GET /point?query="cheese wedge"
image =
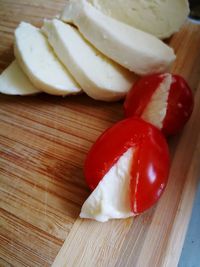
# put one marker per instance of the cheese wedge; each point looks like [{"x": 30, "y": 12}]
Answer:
[
  {"x": 136, "y": 50},
  {"x": 156, "y": 109},
  {"x": 39, "y": 62},
  {"x": 158, "y": 17},
  {"x": 100, "y": 78},
  {"x": 13, "y": 81},
  {"x": 111, "y": 198}
]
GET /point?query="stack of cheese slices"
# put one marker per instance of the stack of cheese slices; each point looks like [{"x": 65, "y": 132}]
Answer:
[{"x": 86, "y": 50}]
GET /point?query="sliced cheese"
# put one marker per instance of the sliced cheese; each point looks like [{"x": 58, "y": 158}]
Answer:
[
  {"x": 99, "y": 77},
  {"x": 111, "y": 198},
  {"x": 136, "y": 50},
  {"x": 39, "y": 62},
  {"x": 13, "y": 81},
  {"x": 156, "y": 110},
  {"x": 158, "y": 17}
]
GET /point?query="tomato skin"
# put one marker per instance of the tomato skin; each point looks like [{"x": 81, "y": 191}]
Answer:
[
  {"x": 153, "y": 169},
  {"x": 152, "y": 156},
  {"x": 179, "y": 105}
]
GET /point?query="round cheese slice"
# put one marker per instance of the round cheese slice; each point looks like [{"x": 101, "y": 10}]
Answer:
[
  {"x": 39, "y": 62},
  {"x": 99, "y": 77},
  {"x": 13, "y": 81},
  {"x": 158, "y": 17}
]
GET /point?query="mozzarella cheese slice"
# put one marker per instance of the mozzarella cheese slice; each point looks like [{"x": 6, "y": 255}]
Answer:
[
  {"x": 111, "y": 198},
  {"x": 136, "y": 50},
  {"x": 39, "y": 62},
  {"x": 13, "y": 81},
  {"x": 156, "y": 110},
  {"x": 100, "y": 78},
  {"x": 158, "y": 17}
]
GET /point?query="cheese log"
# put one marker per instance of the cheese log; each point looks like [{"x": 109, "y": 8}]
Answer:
[
  {"x": 39, "y": 62},
  {"x": 99, "y": 77},
  {"x": 158, "y": 17},
  {"x": 13, "y": 81},
  {"x": 136, "y": 50}
]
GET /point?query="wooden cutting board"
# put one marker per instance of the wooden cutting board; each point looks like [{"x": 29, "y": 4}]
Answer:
[{"x": 43, "y": 144}]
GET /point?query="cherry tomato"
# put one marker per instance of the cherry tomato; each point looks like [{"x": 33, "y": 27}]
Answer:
[
  {"x": 179, "y": 106},
  {"x": 150, "y": 162}
]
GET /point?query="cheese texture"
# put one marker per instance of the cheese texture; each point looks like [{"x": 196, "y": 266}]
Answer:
[
  {"x": 13, "y": 81},
  {"x": 99, "y": 77},
  {"x": 39, "y": 62},
  {"x": 111, "y": 198},
  {"x": 156, "y": 110},
  {"x": 136, "y": 50},
  {"x": 158, "y": 17}
]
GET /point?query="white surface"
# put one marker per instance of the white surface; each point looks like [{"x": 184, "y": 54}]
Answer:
[
  {"x": 41, "y": 65},
  {"x": 111, "y": 198},
  {"x": 158, "y": 17},
  {"x": 99, "y": 77},
  {"x": 13, "y": 81},
  {"x": 135, "y": 50}
]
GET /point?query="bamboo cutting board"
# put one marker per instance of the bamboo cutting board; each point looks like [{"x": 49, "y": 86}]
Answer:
[{"x": 43, "y": 144}]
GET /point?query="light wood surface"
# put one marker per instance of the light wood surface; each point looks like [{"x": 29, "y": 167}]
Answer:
[{"x": 43, "y": 144}]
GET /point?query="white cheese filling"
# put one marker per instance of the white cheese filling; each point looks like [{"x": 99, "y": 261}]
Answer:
[
  {"x": 156, "y": 110},
  {"x": 111, "y": 198}
]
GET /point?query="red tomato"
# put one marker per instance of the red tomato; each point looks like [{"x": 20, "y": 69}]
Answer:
[
  {"x": 150, "y": 164},
  {"x": 179, "y": 103}
]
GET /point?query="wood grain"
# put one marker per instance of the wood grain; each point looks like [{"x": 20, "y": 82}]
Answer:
[{"x": 43, "y": 144}]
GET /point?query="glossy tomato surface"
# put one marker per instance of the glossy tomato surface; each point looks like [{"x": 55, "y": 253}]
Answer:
[
  {"x": 150, "y": 162},
  {"x": 179, "y": 103}
]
